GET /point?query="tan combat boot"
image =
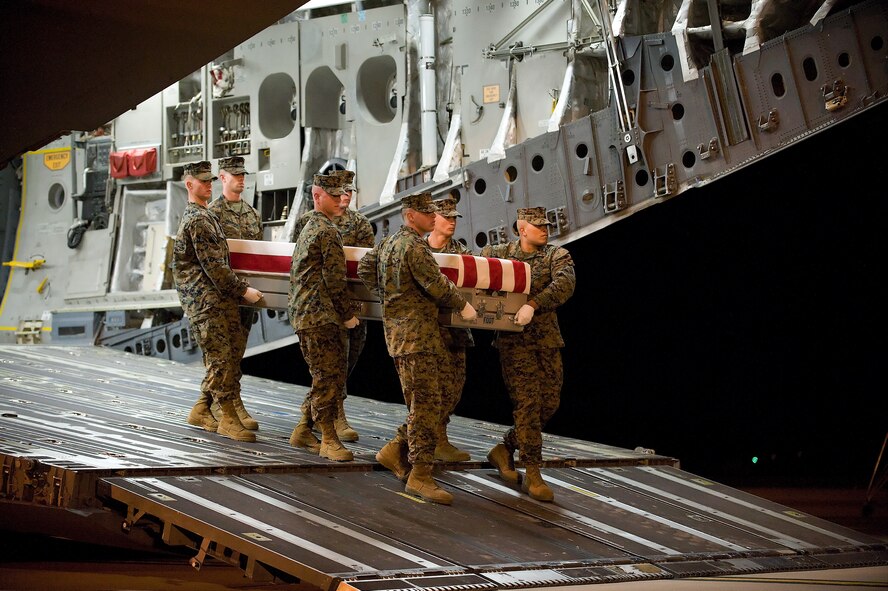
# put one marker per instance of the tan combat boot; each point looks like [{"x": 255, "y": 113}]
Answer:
[
  {"x": 393, "y": 456},
  {"x": 200, "y": 415},
  {"x": 331, "y": 447},
  {"x": 343, "y": 429},
  {"x": 446, "y": 451},
  {"x": 421, "y": 484},
  {"x": 501, "y": 459},
  {"x": 230, "y": 425},
  {"x": 246, "y": 420},
  {"x": 304, "y": 438},
  {"x": 535, "y": 486}
]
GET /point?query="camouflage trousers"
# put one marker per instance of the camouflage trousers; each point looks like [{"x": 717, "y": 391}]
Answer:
[
  {"x": 533, "y": 379},
  {"x": 324, "y": 350},
  {"x": 453, "y": 378},
  {"x": 240, "y": 339},
  {"x": 356, "y": 336},
  {"x": 421, "y": 383},
  {"x": 217, "y": 333}
]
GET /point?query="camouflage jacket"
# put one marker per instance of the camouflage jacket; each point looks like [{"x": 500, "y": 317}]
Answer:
[
  {"x": 237, "y": 221},
  {"x": 355, "y": 229},
  {"x": 455, "y": 337},
  {"x": 403, "y": 273},
  {"x": 317, "y": 276},
  {"x": 552, "y": 283},
  {"x": 201, "y": 268}
]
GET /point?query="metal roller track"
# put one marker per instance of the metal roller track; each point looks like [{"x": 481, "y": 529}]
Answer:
[
  {"x": 362, "y": 529},
  {"x": 103, "y": 433},
  {"x": 101, "y": 410}
]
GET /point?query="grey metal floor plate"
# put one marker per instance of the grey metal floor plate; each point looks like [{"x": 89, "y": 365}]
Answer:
[
  {"x": 780, "y": 524},
  {"x": 364, "y": 529},
  {"x": 472, "y": 532},
  {"x": 101, "y": 409},
  {"x": 97, "y": 429},
  {"x": 647, "y": 528}
]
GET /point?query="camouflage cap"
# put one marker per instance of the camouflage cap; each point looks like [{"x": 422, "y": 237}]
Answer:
[
  {"x": 534, "y": 215},
  {"x": 421, "y": 202},
  {"x": 333, "y": 185},
  {"x": 233, "y": 165},
  {"x": 447, "y": 208},
  {"x": 202, "y": 171},
  {"x": 347, "y": 177}
]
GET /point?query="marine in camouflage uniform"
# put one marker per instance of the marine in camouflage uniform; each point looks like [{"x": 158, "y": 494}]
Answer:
[
  {"x": 238, "y": 220},
  {"x": 355, "y": 230},
  {"x": 453, "y": 371},
  {"x": 531, "y": 360},
  {"x": 209, "y": 293},
  {"x": 403, "y": 273},
  {"x": 321, "y": 311}
]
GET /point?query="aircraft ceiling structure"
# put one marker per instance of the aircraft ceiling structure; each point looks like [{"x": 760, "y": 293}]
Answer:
[{"x": 77, "y": 65}]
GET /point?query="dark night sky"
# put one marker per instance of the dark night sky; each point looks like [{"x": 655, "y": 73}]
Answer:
[{"x": 742, "y": 319}]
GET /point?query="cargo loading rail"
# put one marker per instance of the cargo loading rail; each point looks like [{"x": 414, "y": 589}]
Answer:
[{"x": 94, "y": 443}]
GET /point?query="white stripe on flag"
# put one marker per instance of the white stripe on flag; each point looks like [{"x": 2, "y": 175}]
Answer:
[
  {"x": 508, "y": 277},
  {"x": 355, "y": 253},
  {"x": 483, "y": 272},
  {"x": 261, "y": 247}
]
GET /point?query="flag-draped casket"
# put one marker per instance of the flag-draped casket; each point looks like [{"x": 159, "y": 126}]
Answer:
[{"x": 495, "y": 287}]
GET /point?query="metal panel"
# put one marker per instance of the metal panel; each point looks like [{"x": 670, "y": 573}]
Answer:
[
  {"x": 372, "y": 43},
  {"x": 485, "y": 83},
  {"x": 87, "y": 429},
  {"x": 271, "y": 59},
  {"x": 771, "y": 521},
  {"x": 318, "y": 537},
  {"x": 361, "y": 528},
  {"x": 871, "y": 24},
  {"x": 770, "y": 86},
  {"x": 842, "y": 57},
  {"x": 472, "y": 532},
  {"x": 92, "y": 412}
]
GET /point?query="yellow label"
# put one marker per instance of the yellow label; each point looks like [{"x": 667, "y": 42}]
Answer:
[
  {"x": 56, "y": 160},
  {"x": 491, "y": 94}
]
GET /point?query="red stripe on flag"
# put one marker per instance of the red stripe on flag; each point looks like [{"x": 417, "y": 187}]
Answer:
[
  {"x": 260, "y": 263},
  {"x": 520, "y": 270},
  {"x": 451, "y": 273},
  {"x": 351, "y": 269},
  {"x": 496, "y": 274},
  {"x": 470, "y": 276}
]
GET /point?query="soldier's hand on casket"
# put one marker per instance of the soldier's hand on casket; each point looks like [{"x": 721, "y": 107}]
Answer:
[
  {"x": 468, "y": 312},
  {"x": 524, "y": 315},
  {"x": 252, "y": 295},
  {"x": 352, "y": 322}
]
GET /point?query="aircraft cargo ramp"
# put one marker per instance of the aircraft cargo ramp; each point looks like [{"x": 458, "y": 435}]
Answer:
[{"x": 95, "y": 446}]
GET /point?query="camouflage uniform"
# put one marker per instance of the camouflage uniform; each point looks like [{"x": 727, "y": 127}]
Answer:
[
  {"x": 209, "y": 292},
  {"x": 318, "y": 305},
  {"x": 355, "y": 230},
  {"x": 238, "y": 220},
  {"x": 403, "y": 272},
  {"x": 453, "y": 373},
  {"x": 531, "y": 360}
]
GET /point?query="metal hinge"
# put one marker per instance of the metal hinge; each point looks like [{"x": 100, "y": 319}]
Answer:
[
  {"x": 614, "y": 197},
  {"x": 664, "y": 181},
  {"x": 709, "y": 151},
  {"x": 835, "y": 95},
  {"x": 770, "y": 121}
]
